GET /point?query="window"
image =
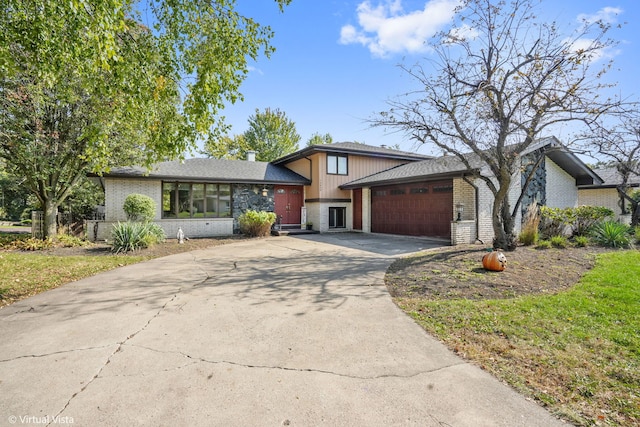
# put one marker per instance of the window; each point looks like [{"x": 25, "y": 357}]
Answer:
[
  {"x": 337, "y": 217},
  {"x": 195, "y": 200},
  {"x": 337, "y": 165}
]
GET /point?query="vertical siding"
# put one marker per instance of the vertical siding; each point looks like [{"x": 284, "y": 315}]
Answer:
[{"x": 358, "y": 167}]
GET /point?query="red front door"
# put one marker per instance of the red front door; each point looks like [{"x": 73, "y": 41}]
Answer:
[{"x": 288, "y": 204}]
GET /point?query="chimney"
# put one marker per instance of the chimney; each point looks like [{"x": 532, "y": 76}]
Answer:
[{"x": 251, "y": 156}]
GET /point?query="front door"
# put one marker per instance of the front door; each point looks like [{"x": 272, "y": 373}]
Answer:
[{"x": 288, "y": 204}]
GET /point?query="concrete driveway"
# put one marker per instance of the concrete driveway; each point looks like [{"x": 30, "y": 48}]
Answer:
[{"x": 280, "y": 331}]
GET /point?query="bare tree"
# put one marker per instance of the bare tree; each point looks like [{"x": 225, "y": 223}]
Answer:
[
  {"x": 499, "y": 80},
  {"x": 618, "y": 139}
]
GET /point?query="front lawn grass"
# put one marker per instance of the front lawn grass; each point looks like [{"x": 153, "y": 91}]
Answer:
[
  {"x": 24, "y": 275},
  {"x": 577, "y": 352}
]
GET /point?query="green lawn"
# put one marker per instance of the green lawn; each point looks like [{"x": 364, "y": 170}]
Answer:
[
  {"x": 23, "y": 275},
  {"x": 577, "y": 352}
]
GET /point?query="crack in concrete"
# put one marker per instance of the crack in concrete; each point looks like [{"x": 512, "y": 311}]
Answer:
[
  {"x": 35, "y": 356},
  {"x": 117, "y": 350},
  {"x": 285, "y": 368}
]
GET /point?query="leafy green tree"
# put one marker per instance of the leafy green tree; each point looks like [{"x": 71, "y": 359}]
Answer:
[
  {"x": 498, "y": 80},
  {"x": 230, "y": 148},
  {"x": 83, "y": 85},
  {"x": 271, "y": 135},
  {"x": 317, "y": 139}
]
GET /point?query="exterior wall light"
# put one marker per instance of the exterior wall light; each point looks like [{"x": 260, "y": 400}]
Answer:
[{"x": 460, "y": 210}]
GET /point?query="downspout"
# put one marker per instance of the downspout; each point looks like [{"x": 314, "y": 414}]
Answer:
[{"x": 477, "y": 200}]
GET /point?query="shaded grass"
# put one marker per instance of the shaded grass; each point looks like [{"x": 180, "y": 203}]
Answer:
[
  {"x": 22, "y": 276},
  {"x": 577, "y": 352}
]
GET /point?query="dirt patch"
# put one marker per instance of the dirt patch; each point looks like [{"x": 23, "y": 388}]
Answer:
[
  {"x": 169, "y": 247},
  {"x": 457, "y": 272}
]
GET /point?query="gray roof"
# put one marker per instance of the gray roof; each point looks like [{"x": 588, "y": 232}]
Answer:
[
  {"x": 612, "y": 178},
  {"x": 451, "y": 166},
  {"x": 216, "y": 170},
  {"x": 352, "y": 148},
  {"x": 446, "y": 166}
]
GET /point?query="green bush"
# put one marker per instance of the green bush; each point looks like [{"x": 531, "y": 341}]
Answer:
[
  {"x": 139, "y": 207},
  {"x": 612, "y": 234},
  {"x": 559, "y": 221},
  {"x": 553, "y": 221},
  {"x": 71, "y": 241},
  {"x": 559, "y": 242},
  {"x": 256, "y": 224},
  {"x": 131, "y": 236},
  {"x": 585, "y": 217},
  {"x": 543, "y": 244},
  {"x": 581, "y": 241}
]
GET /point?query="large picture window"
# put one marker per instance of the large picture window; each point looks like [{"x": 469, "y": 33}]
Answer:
[
  {"x": 195, "y": 200},
  {"x": 337, "y": 165}
]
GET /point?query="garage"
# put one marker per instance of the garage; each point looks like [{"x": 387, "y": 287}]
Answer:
[{"x": 413, "y": 209}]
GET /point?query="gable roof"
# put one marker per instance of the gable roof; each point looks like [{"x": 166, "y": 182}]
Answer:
[
  {"x": 214, "y": 170},
  {"x": 451, "y": 166},
  {"x": 442, "y": 167},
  {"x": 353, "y": 148},
  {"x": 567, "y": 160}
]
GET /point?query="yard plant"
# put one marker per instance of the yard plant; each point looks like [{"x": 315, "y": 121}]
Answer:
[
  {"x": 576, "y": 351},
  {"x": 130, "y": 236},
  {"x": 256, "y": 223}
]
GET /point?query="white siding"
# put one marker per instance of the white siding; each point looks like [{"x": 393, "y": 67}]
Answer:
[{"x": 562, "y": 191}]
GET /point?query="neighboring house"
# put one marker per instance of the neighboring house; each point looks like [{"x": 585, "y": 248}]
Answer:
[
  {"x": 338, "y": 187},
  {"x": 606, "y": 194}
]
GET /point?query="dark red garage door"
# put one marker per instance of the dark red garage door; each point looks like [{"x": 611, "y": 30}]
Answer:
[{"x": 419, "y": 209}]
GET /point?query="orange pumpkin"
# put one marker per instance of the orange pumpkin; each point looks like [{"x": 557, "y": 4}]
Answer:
[{"x": 494, "y": 261}]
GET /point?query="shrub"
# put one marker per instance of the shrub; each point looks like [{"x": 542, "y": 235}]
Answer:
[
  {"x": 71, "y": 241},
  {"x": 612, "y": 234},
  {"x": 256, "y": 224},
  {"x": 554, "y": 221},
  {"x": 529, "y": 234},
  {"x": 559, "y": 242},
  {"x": 130, "y": 236},
  {"x": 33, "y": 244},
  {"x": 139, "y": 207},
  {"x": 543, "y": 244},
  {"x": 581, "y": 241},
  {"x": 586, "y": 217},
  {"x": 577, "y": 221}
]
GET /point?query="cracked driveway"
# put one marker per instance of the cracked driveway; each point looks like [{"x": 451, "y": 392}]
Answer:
[{"x": 277, "y": 331}]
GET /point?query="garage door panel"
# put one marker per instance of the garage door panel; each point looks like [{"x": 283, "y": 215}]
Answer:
[{"x": 422, "y": 209}]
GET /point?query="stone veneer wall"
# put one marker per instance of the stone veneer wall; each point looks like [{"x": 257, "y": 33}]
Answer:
[{"x": 249, "y": 197}]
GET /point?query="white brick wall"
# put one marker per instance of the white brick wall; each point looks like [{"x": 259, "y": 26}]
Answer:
[
  {"x": 562, "y": 191},
  {"x": 208, "y": 227},
  {"x": 607, "y": 197},
  {"x": 117, "y": 190}
]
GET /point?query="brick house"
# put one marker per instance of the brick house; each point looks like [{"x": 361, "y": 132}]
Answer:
[
  {"x": 606, "y": 194},
  {"x": 337, "y": 187}
]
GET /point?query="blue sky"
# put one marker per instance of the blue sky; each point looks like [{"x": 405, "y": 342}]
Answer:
[{"x": 337, "y": 61}]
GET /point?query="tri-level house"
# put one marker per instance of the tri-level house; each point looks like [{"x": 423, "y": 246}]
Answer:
[{"x": 336, "y": 187}]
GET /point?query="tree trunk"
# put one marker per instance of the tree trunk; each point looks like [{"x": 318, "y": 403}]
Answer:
[
  {"x": 50, "y": 228},
  {"x": 503, "y": 223}
]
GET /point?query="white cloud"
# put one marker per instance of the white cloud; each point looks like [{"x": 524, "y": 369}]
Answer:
[
  {"x": 608, "y": 15},
  {"x": 386, "y": 28}
]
